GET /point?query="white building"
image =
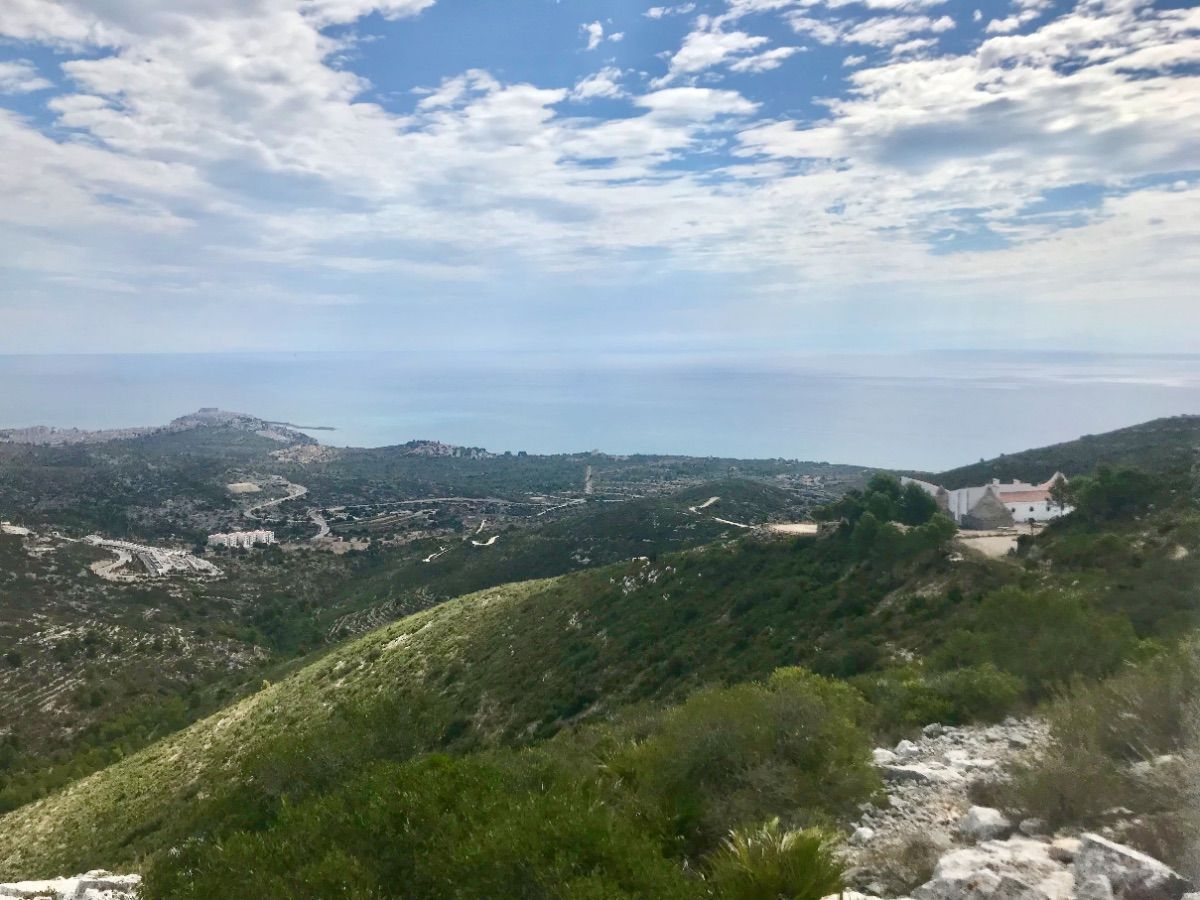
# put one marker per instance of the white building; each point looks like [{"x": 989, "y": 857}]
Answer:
[
  {"x": 999, "y": 503},
  {"x": 241, "y": 540}
]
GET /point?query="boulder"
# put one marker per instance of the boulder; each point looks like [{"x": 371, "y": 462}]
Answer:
[
  {"x": 1132, "y": 874},
  {"x": 862, "y": 835},
  {"x": 883, "y": 757},
  {"x": 1158, "y": 767},
  {"x": 1097, "y": 887},
  {"x": 906, "y": 748},
  {"x": 962, "y": 759},
  {"x": 1016, "y": 869},
  {"x": 921, "y": 774},
  {"x": 95, "y": 885},
  {"x": 982, "y": 823},
  {"x": 1032, "y": 827}
]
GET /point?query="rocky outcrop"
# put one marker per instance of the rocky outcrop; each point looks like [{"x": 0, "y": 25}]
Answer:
[
  {"x": 999, "y": 870},
  {"x": 982, "y": 823},
  {"x": 95, "y": 885},
  {"x": 982, "y": 856},
  {"x": 1031, "y": 870},
  {"x": 206, "y": 417},
  {"x": 1127, "y": 873},
  {"x": 927, "y": 781}
]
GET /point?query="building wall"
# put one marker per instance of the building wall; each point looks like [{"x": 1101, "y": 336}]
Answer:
[{"x": 1037, "y": 510}]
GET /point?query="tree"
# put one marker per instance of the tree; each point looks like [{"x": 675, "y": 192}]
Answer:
[{"x": 915, "y": 506}]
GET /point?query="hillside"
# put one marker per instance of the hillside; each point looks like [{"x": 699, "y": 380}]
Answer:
[
  {"x": 516, "y": 664},
  {"x": 1162, "y": 445},
  {"x": 509, "y": 664},
  {"x": 96, "y": 668},
  {"x": 912, "y": 627}
]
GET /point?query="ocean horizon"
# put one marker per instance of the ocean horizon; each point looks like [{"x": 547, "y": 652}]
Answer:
[{"x": 915, "y": 411}]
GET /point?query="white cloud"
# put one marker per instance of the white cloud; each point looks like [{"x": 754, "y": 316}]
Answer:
[
  {"x": 219, "y": 146},
  {"x": 661, "y": 12},
  {"x": 704, "y": 48},
  {"x": 51, "y": 22},
  {"x": 595, "y": 34},
  {"x": 696, "y": 103},
  {"x": 605, "y": 83},
  {"x": 453, "y": 90},
  {"x": 877, "y": 31},
  {"x": 20, "y": 76},
  {"x": 1011, "y": 23},
  {"x": 765, "y": 61},
  {"x": 912, "y": 46}
]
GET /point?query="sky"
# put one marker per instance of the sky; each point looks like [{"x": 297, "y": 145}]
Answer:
[{"x": 730, "y": 178}]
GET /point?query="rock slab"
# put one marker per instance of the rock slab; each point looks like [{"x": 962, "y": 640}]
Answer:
[
  {"x": 1131, "y": 874},
  {"x": 95, "y": 885}
]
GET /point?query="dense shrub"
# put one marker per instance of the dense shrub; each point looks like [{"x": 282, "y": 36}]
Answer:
[
  {"x": 1099, "y": 730},
  {"x": 1111, "y": 493},
  {"x": 598, "y": 813},
  {"x": 885, "y": 500},
  {"x": 501, "y": 825},
  {"x": 1045, "y": 638},
  {"x": 909, "y": 697},
  {"x": 792, "y": 747}
]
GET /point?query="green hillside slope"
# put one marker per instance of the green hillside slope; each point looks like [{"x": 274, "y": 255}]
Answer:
[
  {"x": 502, "y": 666},
  {"x": 924, "y": 633},
  {"x": 1163, "y": 445}
]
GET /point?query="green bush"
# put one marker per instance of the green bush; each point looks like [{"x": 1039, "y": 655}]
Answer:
[
  {"x": 773, "y": 863},
  {"x": 1049, "y": 637},
  {"x": 1112, "y": 493},
  {"x": 908, "y": 697},
  {"x": 729, "y": 757},
  {"x": 1099, "y": 729},
  {"x": 977, "y": 693},
  {"x": 502, "y": 825}
]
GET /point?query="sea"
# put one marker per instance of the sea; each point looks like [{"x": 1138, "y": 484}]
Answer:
[{"x": 927, "y": 411}]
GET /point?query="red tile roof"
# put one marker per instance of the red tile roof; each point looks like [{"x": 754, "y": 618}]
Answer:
[{"x": 1037, "y": 496}]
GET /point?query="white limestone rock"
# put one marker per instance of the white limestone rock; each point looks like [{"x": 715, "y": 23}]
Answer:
[
  {"x": 962, "y": 759},
  {"x": 921, "y": 773},
  {"x": 1159, "y": 767},
  {"x": 982, "y": 823},
  {"x": 1032, "y": 827},
  {"x": 1132, "y": 874},
  {"x": 906, "y": 749},
  {"x": 1016, "y": 869},
  {"x": 883, "y": 756},
  {"x": 1098, "y": 887},
  {"x": 94, "y": 885}
]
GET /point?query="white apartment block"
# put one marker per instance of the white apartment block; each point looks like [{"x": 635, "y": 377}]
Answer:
[{"x": 241, "y": 540}]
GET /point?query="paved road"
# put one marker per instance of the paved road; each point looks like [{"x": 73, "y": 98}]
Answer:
[
  {"x": 294, "y": 491},
  {"x": 319, "y": 521}
]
